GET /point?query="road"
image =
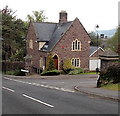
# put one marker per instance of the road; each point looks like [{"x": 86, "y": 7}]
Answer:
[{"x": 20, "y": 97}]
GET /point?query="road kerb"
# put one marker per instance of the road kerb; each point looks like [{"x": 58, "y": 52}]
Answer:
[{"x": 95, "y": 94}]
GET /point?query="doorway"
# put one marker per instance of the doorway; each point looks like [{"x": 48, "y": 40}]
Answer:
[{"x": 56, "y": 61}]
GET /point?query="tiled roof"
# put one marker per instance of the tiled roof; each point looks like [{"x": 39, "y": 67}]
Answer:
[
  {"x": 59, "y": 32},
  {"x": 94, "y": 49},
  {"x": 109, "y": 53},
  {"x": 50, "y": 32},
  {"x": 44, "y": 31}
]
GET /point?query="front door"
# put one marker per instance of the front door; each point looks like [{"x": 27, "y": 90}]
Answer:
[{"x": 56, "y": 61}]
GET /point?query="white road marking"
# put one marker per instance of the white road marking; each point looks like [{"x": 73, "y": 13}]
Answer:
[
  {"x": 42, "y": 85},
  {"x": 38, "y": 101},
  {"x": 8, "y": 89}
]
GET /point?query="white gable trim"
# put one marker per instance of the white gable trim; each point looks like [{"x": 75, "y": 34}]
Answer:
[{"x": 96, "y": 51}]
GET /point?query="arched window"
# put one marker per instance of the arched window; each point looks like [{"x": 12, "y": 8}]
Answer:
[
  {"x": 76, "y": 45},
  {"x": 75, "y": 62}
]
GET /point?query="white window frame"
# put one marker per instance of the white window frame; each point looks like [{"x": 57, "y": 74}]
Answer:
[
  {"x": 76, "y": 45},
  {"x": 75, "y": 62},
  {"x": 31, "y": 43}
]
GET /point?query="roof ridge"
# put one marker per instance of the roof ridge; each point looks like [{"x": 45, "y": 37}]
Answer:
[{"x": 46, "y": 22}]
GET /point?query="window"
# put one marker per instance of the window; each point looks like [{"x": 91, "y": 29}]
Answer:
[
  {"x": 41, "y": 44},
  {"x": 41, "y": 62},
  {"x": 75, "y": 62},
  {"x": 31, "y": 44},
  {"x": 76, "y": 45}
]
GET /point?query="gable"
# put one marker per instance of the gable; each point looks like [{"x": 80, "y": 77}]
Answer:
[
  {"x": 94, "y": 50},
  {"x": 59, "y": 32}
]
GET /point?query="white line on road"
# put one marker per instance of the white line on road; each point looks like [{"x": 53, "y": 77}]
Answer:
[
  {"x": 38, "y": 101},
  {"x": 8, "y": 89},
  {"x": 42, "y": 85}
]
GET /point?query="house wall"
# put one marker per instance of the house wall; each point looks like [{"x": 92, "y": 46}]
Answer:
[
  {"x": 64, "y": 47},
  {"x": 35, "y": 53}
]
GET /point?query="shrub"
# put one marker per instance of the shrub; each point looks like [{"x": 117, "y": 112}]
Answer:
[
  {"x": 112, "y": 75},
  {"x": 50, "y": 73},
  {"x": 76, "y": 71},
  {"x": 50, "y": 63},
  {"x": 15, "y": 72},
  {"x": 67, "y": 66}
]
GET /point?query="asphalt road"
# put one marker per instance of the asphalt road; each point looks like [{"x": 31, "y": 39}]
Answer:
[{"x": 19, "y": 97}]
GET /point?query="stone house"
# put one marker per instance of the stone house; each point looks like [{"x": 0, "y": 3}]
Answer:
[{"x": 65, "y": 39}]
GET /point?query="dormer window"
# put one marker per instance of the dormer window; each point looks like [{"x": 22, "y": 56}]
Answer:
[
  {"x": 41, "y": 44},
  {"x": 76, "y": 45}
]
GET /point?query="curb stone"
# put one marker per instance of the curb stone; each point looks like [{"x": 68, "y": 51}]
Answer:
[{"x": 96, "y": 95}]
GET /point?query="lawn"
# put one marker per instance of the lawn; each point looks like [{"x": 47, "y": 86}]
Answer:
[{"x": 112, "y": 87}]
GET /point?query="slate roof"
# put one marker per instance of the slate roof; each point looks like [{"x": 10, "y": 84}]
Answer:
[
  {"x": 109, "y": 53},
  {"x": 44, "y": 31},
  {"x": 50, "y": 33},
  {"x": 93, "y": 49},
  {"x": 59, "y": 32}
]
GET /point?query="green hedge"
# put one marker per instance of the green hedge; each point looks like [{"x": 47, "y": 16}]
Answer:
[
  {"x": 11, "y": 66},
  {"x": 50, "y": 73},
  {"x": 112, "y": 75},
  {"x": 15, "y": 72}
]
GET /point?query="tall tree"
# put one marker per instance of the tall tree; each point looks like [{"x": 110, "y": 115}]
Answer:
[
  {"x": 13, "y": 32},
  {"x": 94, "y": 40},
  {"x": 37, "y": 16},
  {"x": 113, "y": 42}
]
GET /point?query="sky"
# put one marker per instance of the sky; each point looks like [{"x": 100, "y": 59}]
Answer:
[{"x": 90, "y": 12}]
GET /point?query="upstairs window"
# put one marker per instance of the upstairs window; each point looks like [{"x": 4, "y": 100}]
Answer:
[
  {"x": 41, "y": 62},
  {"x": 76, "y": 45},
  {"x": 31, "y": 44}
]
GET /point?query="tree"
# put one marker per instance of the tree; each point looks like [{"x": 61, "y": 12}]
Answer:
[
  {"x": 67, "y": 65},
  {"x": 13, "y": 32},
  {"x": 113, "y": 42},
  {"x": 50, "y": 63},
  {"x": 94, "y": 40},
  {"x": 37, "y": 16}
]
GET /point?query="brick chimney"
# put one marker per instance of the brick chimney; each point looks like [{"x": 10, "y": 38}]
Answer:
[{"x": 62, "y": 17}]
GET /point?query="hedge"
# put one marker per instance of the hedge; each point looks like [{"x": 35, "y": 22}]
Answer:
[
  {"x": 9, "y": 66},
  {"x": 50, "y": 73}
]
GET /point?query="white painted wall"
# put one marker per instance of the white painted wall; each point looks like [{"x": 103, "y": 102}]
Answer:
[{"x": 93, "y": 64}]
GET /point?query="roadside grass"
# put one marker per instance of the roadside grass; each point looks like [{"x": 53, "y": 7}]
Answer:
[
  {"x": 89, "y": 73},
  {"x": 112, "y": 86}
]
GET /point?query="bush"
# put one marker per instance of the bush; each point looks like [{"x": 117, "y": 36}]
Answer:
[
  {"x": 15, "y": 72},
  {"x": 112, "y": 75},
  {"x": 76, "y": 71},
  {"x": 50, "y": 73},
  {"x": 50, "y": 63},
  {"x": 67, "y": 66}
]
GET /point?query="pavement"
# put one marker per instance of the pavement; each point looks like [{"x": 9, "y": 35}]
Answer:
[{"x": 82, "y": 83}]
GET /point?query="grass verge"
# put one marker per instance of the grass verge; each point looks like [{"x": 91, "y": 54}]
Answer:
[{"x": 112, "y": 87}]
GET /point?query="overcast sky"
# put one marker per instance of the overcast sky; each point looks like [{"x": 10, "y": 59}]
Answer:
[{"x": 90, "y": 12}]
